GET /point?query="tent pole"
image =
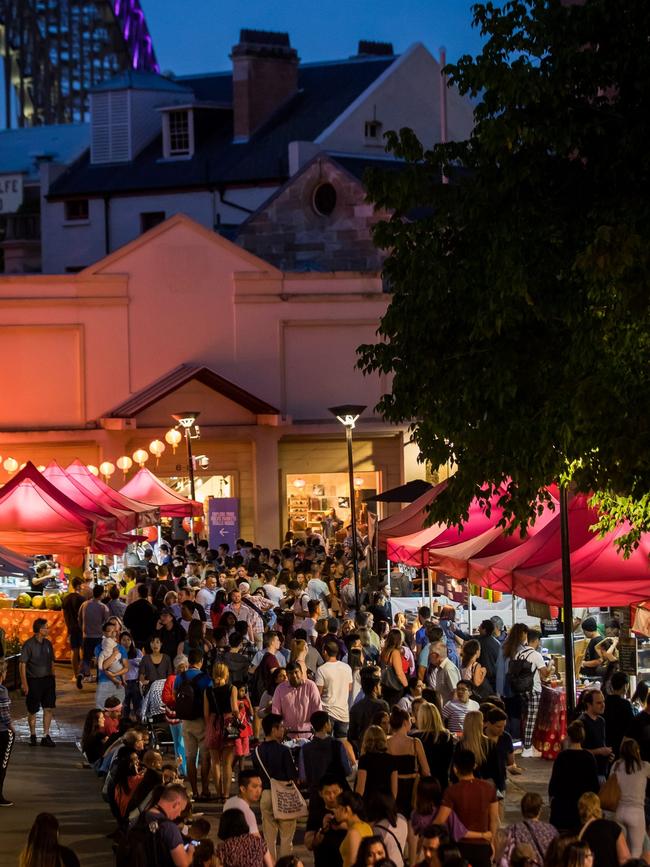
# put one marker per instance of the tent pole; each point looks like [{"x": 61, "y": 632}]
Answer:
[
  {"x": 469, "y": 607},
  {"x": 430, "y": 590},
  {"x": 567, "y": 604},
  {"x": 514, "y": 608}
]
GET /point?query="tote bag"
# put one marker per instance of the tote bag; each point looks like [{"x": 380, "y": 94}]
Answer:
[
  {"x": 610, "y": 793},
  {"x": 286, "y": 800}
]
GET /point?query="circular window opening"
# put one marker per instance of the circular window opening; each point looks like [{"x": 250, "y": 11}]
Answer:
[{"x": 324, "y": 200}]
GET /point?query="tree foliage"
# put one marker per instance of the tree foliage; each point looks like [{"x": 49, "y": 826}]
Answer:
[{"x": 518, "y": 331}]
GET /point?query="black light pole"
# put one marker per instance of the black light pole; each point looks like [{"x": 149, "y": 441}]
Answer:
[
  {"x": 187, "y": 420},
  {"x": 348, "y": 415},
  {"x": 567, "y": 600}
]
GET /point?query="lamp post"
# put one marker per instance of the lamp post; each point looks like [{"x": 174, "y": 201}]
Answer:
[
  {"x": 348, "y": 415},
  {"x": 187, "y": 420}
]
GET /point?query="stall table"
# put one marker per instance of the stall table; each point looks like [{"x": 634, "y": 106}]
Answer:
[
  {"x": 550, "y": 729},
  {"x": 18, "y": 623}
]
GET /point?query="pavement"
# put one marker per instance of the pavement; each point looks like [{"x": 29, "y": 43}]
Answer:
[{"x": 54, "y": 780}]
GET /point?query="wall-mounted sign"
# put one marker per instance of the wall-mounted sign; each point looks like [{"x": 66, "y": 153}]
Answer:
[
  {"x": 223, "y": 521},
  {"x": 11, "y": 193}
]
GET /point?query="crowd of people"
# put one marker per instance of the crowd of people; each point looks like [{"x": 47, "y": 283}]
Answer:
[{"x": 249, "y": 678}]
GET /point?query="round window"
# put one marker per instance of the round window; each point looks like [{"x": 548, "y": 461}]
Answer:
[{"x": 324, "y": 200}]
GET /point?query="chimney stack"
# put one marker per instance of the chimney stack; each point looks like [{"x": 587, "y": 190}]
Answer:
[{"x": 265, "y": 76}]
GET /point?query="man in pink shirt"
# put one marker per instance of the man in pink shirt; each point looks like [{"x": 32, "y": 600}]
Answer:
[{"x": 296, "y": 700}]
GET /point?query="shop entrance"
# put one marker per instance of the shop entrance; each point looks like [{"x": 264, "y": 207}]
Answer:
[{"x": 321, "y": 502}]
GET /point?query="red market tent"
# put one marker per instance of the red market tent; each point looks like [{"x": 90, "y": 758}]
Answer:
[
  {"x": 147, "y": 488},
  {"x": 411, "y": 519},
  {"x": 496, "y": 571},
  {"x": 82, "y": 497},
  {"x": 37, "y": 518},
  {"x": 140, "y": 514}
]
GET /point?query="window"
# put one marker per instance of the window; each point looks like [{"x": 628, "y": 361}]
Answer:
[
  {"x": 373, "y": 130},
  {"x": 149, "y": 219},
  {"x": 179, "y": 133},
  {"x": 76, "y": 209},
  {"x": 324, "y": 199}
]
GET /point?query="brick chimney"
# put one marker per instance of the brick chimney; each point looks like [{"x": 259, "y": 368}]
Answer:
[{"x": 265, "y": 76}]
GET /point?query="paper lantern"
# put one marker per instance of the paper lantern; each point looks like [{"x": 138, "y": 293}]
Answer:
[
  {"x": 10, "y": 465},
  {"x": 141, "y": 456},
  {"x": 93, "y": 469},
  {"x": 152, "y": 534},
  {"x": 173, "y": 437},
  {"x": 106, "y": 468},
  {"x": 299, "y": 483},
  {"x": 157, "y": 447},
  {"x": 124, "y": 463},
  {"x": 358, "y": 482}
]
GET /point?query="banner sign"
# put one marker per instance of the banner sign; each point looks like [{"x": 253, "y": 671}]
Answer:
[{"x": 223, "y": 521}]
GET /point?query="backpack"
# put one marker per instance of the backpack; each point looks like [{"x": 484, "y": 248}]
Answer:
[
  {"x": 142, "y": 846},
  {"x": 258, "y": 683},
  {"x": 521, "y": 675},
  {"x": 188, "y": 699}
]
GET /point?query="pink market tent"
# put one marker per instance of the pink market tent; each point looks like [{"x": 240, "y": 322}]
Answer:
[
  {"x": 147, "y": 488},
  {"x": 413, "y": 550},
  {"x": 410, "y": 519},
  {"x": 79, "y": 495},
  {"x": 496, "y": 571},
  {"x": 36, "y": 518},
  {"x": 139, "y": 514},
  {"x": 599, "y": 574},
  {"x": 494, "y": 543}
]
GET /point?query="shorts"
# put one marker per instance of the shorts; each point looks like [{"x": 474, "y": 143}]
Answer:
[
  {"x": 194, "y": 737},
  {"x": 339, "y": 728},
  {"x": 75, "y": 637},
  {"x": 42, "y": 693}
]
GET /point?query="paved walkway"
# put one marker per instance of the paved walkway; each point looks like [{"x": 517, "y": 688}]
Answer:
[{"x": 53, "y": 780}]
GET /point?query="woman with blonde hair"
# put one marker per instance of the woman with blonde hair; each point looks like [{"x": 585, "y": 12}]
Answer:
[
  {"x": 605, "y": 838},
  {"x": 377, "y": 770},
  {"x": 221, "y": 710},
  {"x": 475, "y": 740},
  {"x": 438, "y": 743},
  {"x": 632, "y": 774}
]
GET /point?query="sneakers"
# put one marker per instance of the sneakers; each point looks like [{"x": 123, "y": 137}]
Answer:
[
  {"x": 531, "y": 753},
  {"x": 32, "y": 741},
  {"x": 47, "y": 741},
  {"x": 5, "y": 803},
  {"x": 80, "y": 679}
]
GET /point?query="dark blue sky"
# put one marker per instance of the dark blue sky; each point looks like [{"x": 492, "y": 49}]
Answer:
[{"x": 197, "y": 35}]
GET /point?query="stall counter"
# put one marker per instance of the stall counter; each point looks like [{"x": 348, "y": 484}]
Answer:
[{"x": 18, "y": 623}]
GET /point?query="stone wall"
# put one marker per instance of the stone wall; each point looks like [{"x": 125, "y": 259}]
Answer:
[{"x": 289, "y": 233}]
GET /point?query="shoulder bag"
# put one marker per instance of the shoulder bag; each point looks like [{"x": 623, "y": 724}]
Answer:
[
  {"x": 286, "y": 800},
  {"x": 610, "y": 792}
]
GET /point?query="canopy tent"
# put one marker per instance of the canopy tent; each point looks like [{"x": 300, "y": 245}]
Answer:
[
  {"x": 37, "y": 518},
  {"x": 494, "y": 543},
  {"x": 82, "y": 497},
  {"x": 496, "y": 571},
  {"x": 410, "y": 519},
  {"x": 413, "y": 550},
  {"x": 147, "y": 488},
  {"x": 12, "y": 563},
  {"x": 402, "y": 493},
  {"x": 140, "y": 514}
]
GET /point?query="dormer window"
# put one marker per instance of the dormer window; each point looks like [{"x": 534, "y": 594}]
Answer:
[
  {"x": 178, "y": 133},
  {"x": 373, "y": 130}
]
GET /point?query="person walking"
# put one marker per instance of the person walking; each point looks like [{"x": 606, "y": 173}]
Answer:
[
  {"x": 37, "y": 680},
  {"x": 632, "y": 774},
  {"x": 70, "y": 606},
  {"x": 596, "y": 731},
  {"x": 334, "y": 682},
  {"x": 92, "y": 615},
  {"x": 220, "y": 709},
  {"x": 296, "y": 700},
  {"x": 7, "y": 734},
  {"x": 272, "y": 760},
  {"x": 574, "y": 773},
  {"x": 189, "y": 692},
  {"x": 604, "y": 837},
  {"x": 249, "y": 787},
  {"x": 532, "y": 697},
  {"x": 409, "y": 758}
]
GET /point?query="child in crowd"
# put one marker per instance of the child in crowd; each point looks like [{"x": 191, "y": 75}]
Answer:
[{"x": 112, "y": 715}]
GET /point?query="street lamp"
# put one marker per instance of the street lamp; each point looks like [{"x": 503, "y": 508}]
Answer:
[
  {"x": 187, "y": 421},
  {"x": 348, "y": 415}
]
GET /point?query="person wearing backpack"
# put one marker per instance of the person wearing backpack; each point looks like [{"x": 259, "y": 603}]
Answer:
[
  {"x": 155, "y": 838},
  {"x": 525, "y": 673},
  {"x": 189, "y": 692}
]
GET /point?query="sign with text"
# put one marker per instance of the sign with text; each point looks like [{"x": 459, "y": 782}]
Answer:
[
  {"x": 11, "y": 193},
  {"x": 223, "y": 521}
]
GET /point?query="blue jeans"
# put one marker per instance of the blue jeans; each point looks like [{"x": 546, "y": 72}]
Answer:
[
  {"x": 132, "y": 699},
  {"x": 179, "y": 747}
]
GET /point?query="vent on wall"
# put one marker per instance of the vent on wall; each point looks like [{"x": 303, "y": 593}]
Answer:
[{"x": 110, "y": 127}]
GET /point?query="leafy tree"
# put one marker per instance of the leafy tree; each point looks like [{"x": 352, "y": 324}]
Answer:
[{"x": 518, "y": 331}]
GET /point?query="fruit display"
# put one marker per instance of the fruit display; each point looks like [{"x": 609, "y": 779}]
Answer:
[
  {"x": 52, "y": 602},
  {"x": 23, "y": 601},
  {"x": 38, "y": 602}
]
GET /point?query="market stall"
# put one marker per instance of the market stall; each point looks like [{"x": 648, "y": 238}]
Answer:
[
  {"x": 145, "y": 487},
  {"x": 17, "y": 624}
]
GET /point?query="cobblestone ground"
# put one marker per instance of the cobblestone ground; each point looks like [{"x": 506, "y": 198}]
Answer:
[{"x": 54, "y": 780}]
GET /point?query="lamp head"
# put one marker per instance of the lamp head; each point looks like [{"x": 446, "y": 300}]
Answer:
[
  {"x": 347, "y": 414},
  {"x": 186, "y": 419}
]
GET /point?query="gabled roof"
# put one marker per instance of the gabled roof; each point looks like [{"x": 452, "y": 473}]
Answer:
[
  {"x": 21, "y": 149},
  {"x": 179, "y": 377},
  {"x": 325, "y": 90}
]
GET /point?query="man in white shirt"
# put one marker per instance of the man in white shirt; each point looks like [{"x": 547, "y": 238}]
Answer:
[
  {"x": 206, "y": 595},
  {"x": 334, "y": 682},
  {"x": 250, "y": 792},
  {"x": 455, "y": 711},
  {"x": 317, "y": 589},
  {"x": 531, "y": 699},
  {"x": 309, "y": 623}
]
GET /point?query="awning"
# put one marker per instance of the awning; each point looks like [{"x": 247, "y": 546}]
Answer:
[{"x": 147, "y": 488}]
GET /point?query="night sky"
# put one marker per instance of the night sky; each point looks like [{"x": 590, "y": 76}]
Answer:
[{"x": 197, "y": 35}]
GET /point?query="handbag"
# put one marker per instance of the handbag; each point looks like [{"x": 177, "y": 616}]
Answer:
[
  {"x": 610, "y": 793},
  {"x": 286, "y": 800},
  {"x": 389, "y": 679}
]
